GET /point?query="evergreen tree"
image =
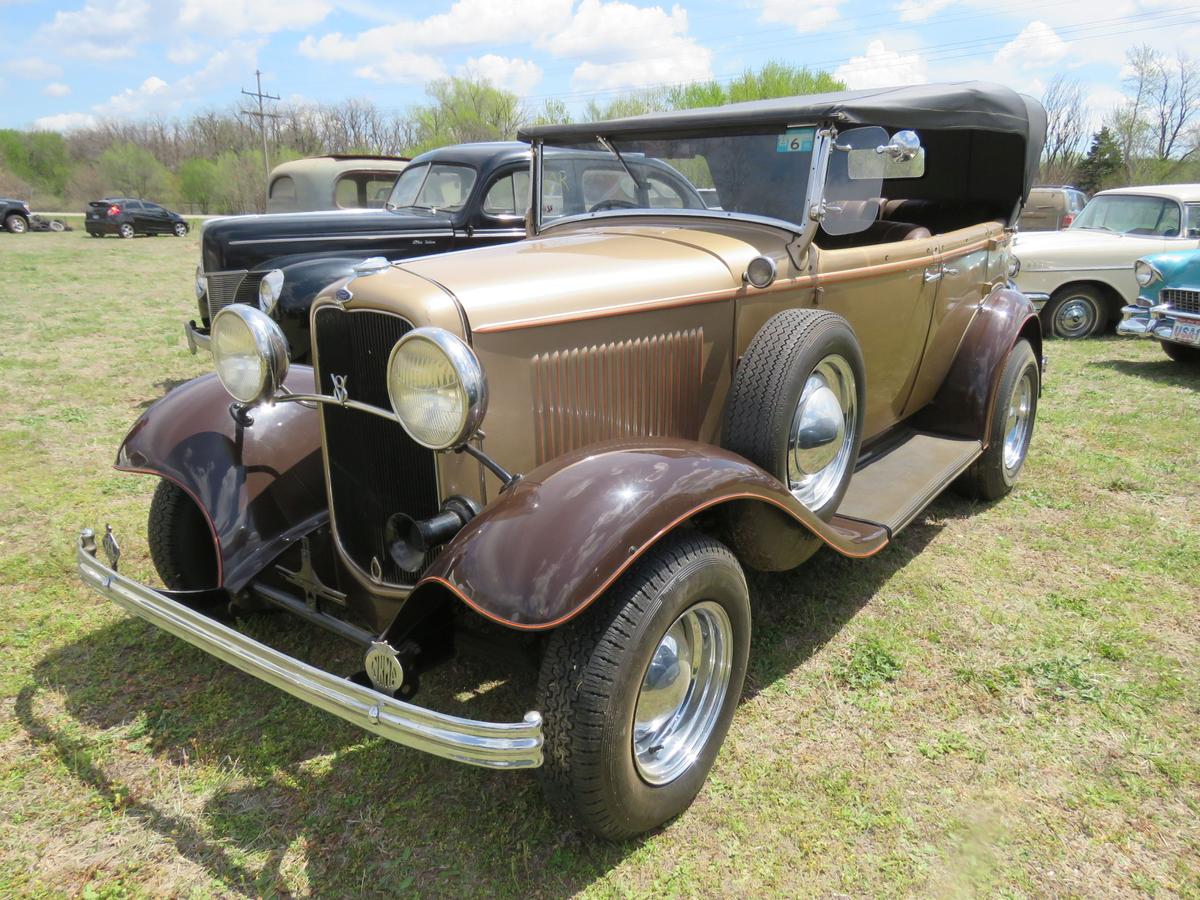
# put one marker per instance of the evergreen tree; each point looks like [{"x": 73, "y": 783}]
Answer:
[{"x": 1102, "y": 163}]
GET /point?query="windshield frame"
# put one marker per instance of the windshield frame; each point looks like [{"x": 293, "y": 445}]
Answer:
[
  {"x": 1133, "y": 196},
  {"x": 428, "y": 166},
  {"x": 804, "y": 227}
]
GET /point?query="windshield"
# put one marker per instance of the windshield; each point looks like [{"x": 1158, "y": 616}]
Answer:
[
  {"x": 436, "y": 186},
  {"x": 1130, "y": 214},
  {"x": 760, "y": 173}
]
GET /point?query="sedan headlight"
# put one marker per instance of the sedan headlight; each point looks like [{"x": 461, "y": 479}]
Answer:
[
  {"x": 437, "y": 388},
  {"x": 269, "y": 290},
  {"x": 201, "y": 283},
  {"x": 250, "y": 353},
  {"x": 1145, "y": 273},
  {"x": 1014, "y": 266}
]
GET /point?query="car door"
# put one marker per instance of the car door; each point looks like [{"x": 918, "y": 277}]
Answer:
[
  {"x": 500, "y": 216},
  {"x": 136, "y": 213},
  {"x": 156, "y": 218}
]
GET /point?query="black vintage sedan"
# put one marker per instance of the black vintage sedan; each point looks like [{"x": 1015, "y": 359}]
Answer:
[
  {"x": 127, "y": 216},
  {"x": 453, "y": 198}
]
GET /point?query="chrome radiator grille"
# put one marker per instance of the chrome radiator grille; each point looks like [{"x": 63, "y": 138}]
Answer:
[
  {"x": 236, "y": 286},
  {"x": 375, "y": 469},
  {"x": 1183, "y": 300},
  {"x": 644, "y": 387}
]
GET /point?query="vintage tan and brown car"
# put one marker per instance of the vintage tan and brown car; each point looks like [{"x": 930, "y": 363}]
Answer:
[{"x": 587, "y": 434}]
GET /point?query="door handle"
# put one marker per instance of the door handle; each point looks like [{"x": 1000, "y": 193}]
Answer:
[
  {"x": 933, "y": 275},
  {"x": 950, "y": 272}
]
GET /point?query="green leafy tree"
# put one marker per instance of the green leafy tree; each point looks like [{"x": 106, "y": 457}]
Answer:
[
  {"x": 135, "y": 171},
  {"x": 1103, "y": 164},
  {"x": 39, "y": 158},
  {"x": 199, "y": 183},
  {"x": 774, "y": 79},
  {"x": 465, "y": 109}
]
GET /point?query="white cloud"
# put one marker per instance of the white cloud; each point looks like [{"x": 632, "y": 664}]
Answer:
[
  {"x": 881, "y": 67},
  {"x": 629, "y": 46},
  {"x": 225, "y": 17},
  {"x": 56, "y": 89},
  {"x": 1036, "y": 47},
  {"x": 100, "y": 30},
  {"x": 403, "y": 68},
  {"x": 803, "y": 17},
  {"x": 31, "y": 69},
  {"x": 64, "y": 121},
  {"x": 920, "y": 10},
  {"x": 186, "y": 51},
  {"x": 517, "y": 75}
]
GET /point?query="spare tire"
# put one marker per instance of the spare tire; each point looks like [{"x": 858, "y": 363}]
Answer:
[{"x": 796, "y": 409}]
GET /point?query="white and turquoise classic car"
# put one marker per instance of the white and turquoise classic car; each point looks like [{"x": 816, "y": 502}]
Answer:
[{"x": 1168, "y": 304}]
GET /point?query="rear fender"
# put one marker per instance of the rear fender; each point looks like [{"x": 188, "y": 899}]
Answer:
[
  {"x": 963, "y": 405},
  {"x": 548, "y": 546},
  {"x": 260, "y": 487}
]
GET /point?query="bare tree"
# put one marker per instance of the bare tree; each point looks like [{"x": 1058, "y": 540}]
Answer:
[
  {"x": 1158, "y": 125},
  {"x": 1066, "y": 129}
]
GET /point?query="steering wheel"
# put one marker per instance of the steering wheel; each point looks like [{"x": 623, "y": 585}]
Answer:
[{"x": 614, "y": 204}]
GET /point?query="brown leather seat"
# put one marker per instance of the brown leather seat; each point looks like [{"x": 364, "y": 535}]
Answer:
[{"x": 882, "y": 232}]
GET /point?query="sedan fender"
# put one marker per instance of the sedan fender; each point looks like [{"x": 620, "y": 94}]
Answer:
[
  {"x": 550, "y": 544},
  {"x": 260, "y": 486}
]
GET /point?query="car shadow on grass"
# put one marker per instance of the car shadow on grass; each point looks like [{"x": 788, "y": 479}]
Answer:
[
  {"x": 1162, "y": 371},
  {"x": 285, "y": 794},
  {"x": 166, "y": 386}
]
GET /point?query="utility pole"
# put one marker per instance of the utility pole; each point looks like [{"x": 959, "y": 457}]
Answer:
[{"x": 262, "y": 116}]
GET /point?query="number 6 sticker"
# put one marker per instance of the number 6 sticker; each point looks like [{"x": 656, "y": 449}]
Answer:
[{"x": 795, "y": 140}]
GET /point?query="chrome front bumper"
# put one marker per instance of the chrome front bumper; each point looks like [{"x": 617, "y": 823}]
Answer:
[
  {"x": 1153, "y": 322},
  {"x": 495, "y": 745},
  {"x": 195, "y": 337},
  {"x": 1039, "y": 301}
]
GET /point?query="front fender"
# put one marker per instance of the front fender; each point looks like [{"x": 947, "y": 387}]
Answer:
[
  {"x": 963, "y": 404},
  {"x": 548, "y": 546},
  {"x": 260, "y": 487}
]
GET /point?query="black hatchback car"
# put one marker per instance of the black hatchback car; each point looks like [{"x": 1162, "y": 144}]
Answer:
[{"x": 126, "y": 217}]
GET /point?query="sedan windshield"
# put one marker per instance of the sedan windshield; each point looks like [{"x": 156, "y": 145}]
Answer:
[
  {"x": 1130, "y": 214},
  {"x": 764, "y": 173},
  {"x": 436, "y": 186}
]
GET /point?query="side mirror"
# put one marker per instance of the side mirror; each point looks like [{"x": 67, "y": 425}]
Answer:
[{"x": 904, "y": 146}]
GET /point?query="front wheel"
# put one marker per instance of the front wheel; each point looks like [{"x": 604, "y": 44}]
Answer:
[
  {"x": 1180, "y": 353},
  {"x": 126, "y": 231},
  {"x": 1076, "y": 311},
  {"x": 180, "y": 229},
  {"x": 639, "y": 690},
  {"x": 181, "y": 544},
  {"x": 995, "y": 472},
  {"x": 16, "y": 224}
]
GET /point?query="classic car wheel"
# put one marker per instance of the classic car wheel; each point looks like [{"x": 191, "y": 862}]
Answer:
[
  {"x": 1076, "y": 311},
  {"x": 796, "y": 405},
  {"x": 16, "y": 224},
  {"x": 180, "y": 229},
  {"x": 995, "y": 472},
  {"x": 181, "y": 544},
  {"x": 638, "y": 691},
  {"x": 126, "y": 231},
  {"x": 56, "y": 225},
  {"x": 1180, "y": 353}
]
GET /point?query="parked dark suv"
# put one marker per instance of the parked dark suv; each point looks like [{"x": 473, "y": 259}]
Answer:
[
  {"x": 14, "y": 215},
  {"x": 126, "y": 217}
]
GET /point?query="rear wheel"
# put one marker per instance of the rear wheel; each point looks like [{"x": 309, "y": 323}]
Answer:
[
  {"x": 1076, "y": 311},
  {"x": 56, "y": 225},
  {"x": 16, "y": 224},
  {"x": 638, "y": 691},
  {"x": 126, "y": 231},
  {"x": 181, "y": 544},
  {"x": 995, "y": 472},
  {"x": 1180, "y": 353},
  {"x": 180, "y": 229}
]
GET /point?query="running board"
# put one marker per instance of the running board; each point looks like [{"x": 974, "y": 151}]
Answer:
[{"x": 892, "y": 490}]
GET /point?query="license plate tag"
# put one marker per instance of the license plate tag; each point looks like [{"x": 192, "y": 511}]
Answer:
[{"x": 1186, "y": 333}]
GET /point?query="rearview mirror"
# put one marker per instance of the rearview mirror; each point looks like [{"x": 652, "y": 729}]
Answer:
[{"x": 905, "y": 145}]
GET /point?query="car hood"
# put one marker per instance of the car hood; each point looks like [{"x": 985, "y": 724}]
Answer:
[
  {"x": 593, "y": 272},
  {"x": 1077, "y": 243},
  {"x": 226, "y": 240}
]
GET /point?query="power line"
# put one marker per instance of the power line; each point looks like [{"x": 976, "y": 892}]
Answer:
[{"x": 262, "y": 116}]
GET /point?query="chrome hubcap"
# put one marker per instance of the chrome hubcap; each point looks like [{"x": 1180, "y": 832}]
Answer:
[
  {"x": 822, "y": 433},
  {"x": 1017, "y": 422},
  {"x": 682, "y": 693},
  {"x": 1076, "y": 317}
]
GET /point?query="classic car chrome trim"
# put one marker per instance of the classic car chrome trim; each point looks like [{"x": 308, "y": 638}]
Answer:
[
  {"x": 309, "y": 238},
  {"x": 1029, "y": 270},
  {"x": 196, "y": 338},
  {"x": 495, "y": 745},
  {"x": 1038, "y": 299},
  {"x": 666, "y": 212}
]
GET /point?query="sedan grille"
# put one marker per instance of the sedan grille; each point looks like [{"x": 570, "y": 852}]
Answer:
[
  {"x": 375, "y": 469},
  {"x": 1182, "y": 300},
  {"x": 236, "y": 286}
]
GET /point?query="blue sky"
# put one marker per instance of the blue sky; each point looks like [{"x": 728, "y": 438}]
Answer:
[{"x": 84, "y": 60}]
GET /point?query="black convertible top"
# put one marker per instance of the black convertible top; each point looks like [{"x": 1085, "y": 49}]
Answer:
[{"x": 963, "y": 106}]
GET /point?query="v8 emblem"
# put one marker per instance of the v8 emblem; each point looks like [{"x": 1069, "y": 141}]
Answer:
[{"x": 340, "y": 394}]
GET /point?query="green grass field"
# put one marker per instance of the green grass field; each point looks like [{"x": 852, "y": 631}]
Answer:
[{"x": 1004, "y": 702}]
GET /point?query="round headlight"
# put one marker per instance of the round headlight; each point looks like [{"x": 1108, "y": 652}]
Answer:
[
  {"x": 437, "y": 388},
  {"x": 201, "y": 283},
  {"x": 1014, "y": 267},
  {"x": 269, "y": 290},
  {"x": 250, "y": 353},
  {"x": 1145, "y": 273}
]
